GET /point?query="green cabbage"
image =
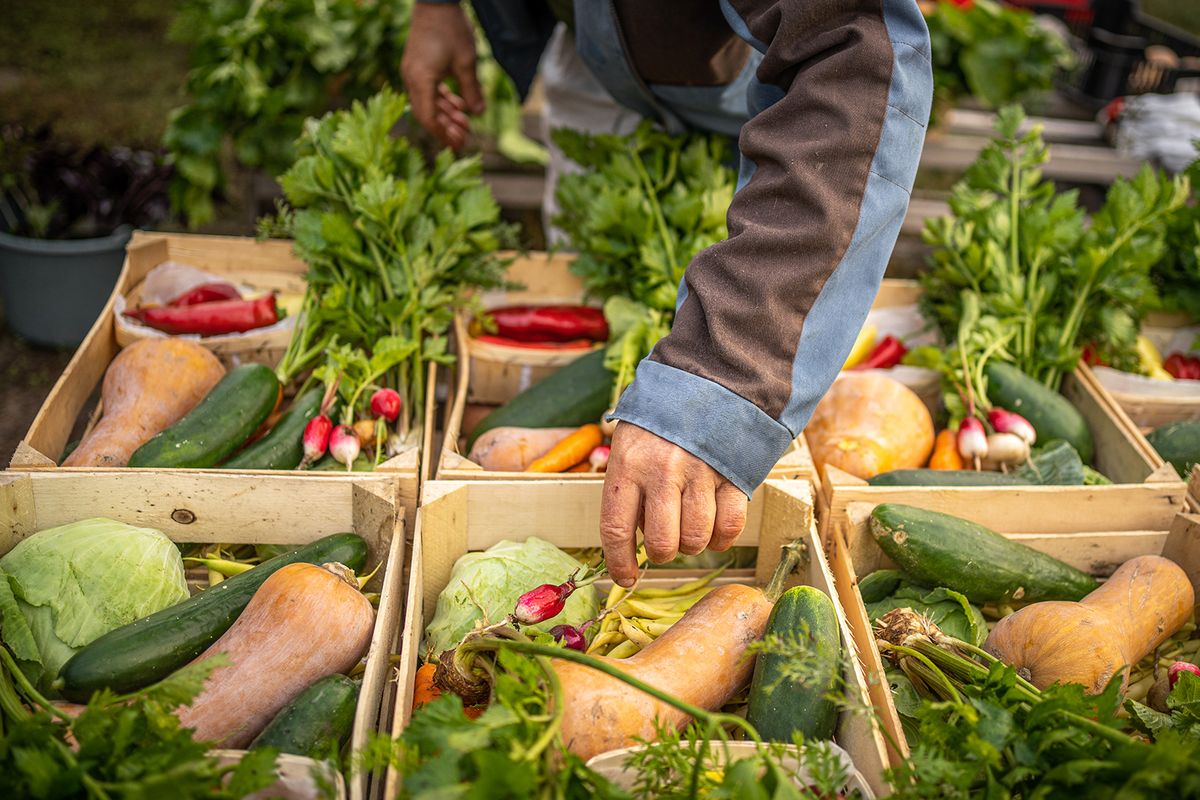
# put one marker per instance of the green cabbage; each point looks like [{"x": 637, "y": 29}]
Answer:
[
  {"x": 62, "y": 588},
  {"x": 496, "y": 578}
]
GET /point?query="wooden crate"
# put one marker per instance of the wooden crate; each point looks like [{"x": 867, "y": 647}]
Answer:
[
  {"x": 1152, "y": 411},
  {"x": 268, "y": 263},
  {"x": 236, "y": 509},
  {"x": 457, "y": 517},
  {"x": 1062, "y": 532}
]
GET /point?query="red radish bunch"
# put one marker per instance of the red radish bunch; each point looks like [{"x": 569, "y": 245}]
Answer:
[
  {"x": 344, "y": 445},
  {"x": 1009, "y": 422},
  {"x": 385, "y": 403},
  {"x": 316, "y": 438},
  {"x": 1177, "y": 669},
  {"x": 972, "y": 439},
  {"x": 599, "y": 458},
  {"x": 542, "y": 603}
]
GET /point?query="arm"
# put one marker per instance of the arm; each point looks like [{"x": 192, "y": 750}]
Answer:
[
  {"x": 440, "y": 45},
  {"x": 768, "y": 316}
]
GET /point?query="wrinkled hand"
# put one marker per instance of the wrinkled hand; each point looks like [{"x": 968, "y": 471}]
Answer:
[
  {"x": 441, "y": 44},
  {"x": 681, "y": 503}
]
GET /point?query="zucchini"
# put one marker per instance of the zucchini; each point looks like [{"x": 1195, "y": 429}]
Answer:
[
  {"x": 1051, "y": 415},
  {"x": 1056, "y": 464},
  {"x": 945, "y": 477},
  {"x": 879, "y": 584},
  {"x": 1179, "y": 444},
  {"x": 151, "y": 648},
  {"x": 283, "y": 446},
  {"x": 779, "y": 706},
  {"x": 941, "y": 550},
  {"x": 316, "y": 723},
  {"x": 577, "y": 394},
  {"x": 226, "y": 418}
]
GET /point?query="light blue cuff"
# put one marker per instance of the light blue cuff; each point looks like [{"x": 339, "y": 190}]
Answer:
[{"x": 726, "y": 431}]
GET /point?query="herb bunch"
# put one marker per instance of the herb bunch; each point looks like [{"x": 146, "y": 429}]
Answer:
[
  {"x": 1177, "y": 274},
  {"x": 643, "y": 207},
  {"x": 393, "y": 246},
  {"x": 1045, "y": 280}
]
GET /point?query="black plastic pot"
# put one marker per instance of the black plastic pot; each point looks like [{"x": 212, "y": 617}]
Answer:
[{"x": 53, "y": 290}]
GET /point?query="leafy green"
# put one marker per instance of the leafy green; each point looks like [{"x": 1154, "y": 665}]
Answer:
[
  {"x": 1056, "y": 463},
  {"x": 994, "y": 53},
  {"x": 487, "y": 584},
  {"x": 130, "y": 746},
  {"x": 1177, "y": 273},
  {"x": 64, "y": 587},
  {"x": 1183, "y": 706},
  {"x": 948, "y": 609},
  {"x": 644, "y": 205},
  {"x": 394, "y": 246},
  {"x": 1017, "y": 275}
]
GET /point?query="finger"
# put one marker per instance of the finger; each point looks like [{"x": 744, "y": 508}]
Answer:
[
  {"x": 452, "y": 135},
  {"x": 661, "y": 531},
  {"x": 450, "y": 98},
  {"x": 468, "y": 85},
  {"x": 422, "y": 88},
  {"x": 697, "y": 514},
  {"x": 619, "y": 509},
  {"x": 451, "y": 111},
  {"x": 730, "y": 517}
]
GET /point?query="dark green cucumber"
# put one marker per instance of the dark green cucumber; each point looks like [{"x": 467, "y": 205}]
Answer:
[
  {"x": 577, "y": 394},
  {"x": 283, "y": 446},
  {"x": 316, "y": 723},
  {"x": 225, "y": 419},
  {"x": 945, "y": 477},
  {"x": 780, "y": 707},
  {"x": 941, "y": 550},
  {"x": 149, "y": 649},
  {"x": 1050, "y": 414},
  {"x": 1178, "y": 444}
]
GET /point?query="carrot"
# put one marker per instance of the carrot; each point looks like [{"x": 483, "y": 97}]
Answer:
[
  {"x": 570, "y": 451},
  {"x": 423, "y": 690},
  {"x": 945, "y": 452},
  {"x": 582, "y": 466},
  {"x": 508, "y": 449}
]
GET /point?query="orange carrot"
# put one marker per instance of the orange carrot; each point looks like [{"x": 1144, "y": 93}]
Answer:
[
  {"x": 582, "y": 466},
  {"x": 424, "y": 691},
  {"x": 570, "y": 451},
  {"x": 945, "y": 452}
]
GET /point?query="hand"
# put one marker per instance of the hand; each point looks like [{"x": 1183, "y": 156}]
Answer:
[
  {"x": 441, "y": 44},
  {"x": 681, "y": 503}
]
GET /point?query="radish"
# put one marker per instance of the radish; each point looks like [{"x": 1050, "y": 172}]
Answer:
[
  {"x": 971, "y": 439},
  {"x": 543, "y": 603},
  {"x": 316, "y": 439},
  {"x": 1007, "y": 448},
  {"x": 569, "y": 637},
  {"x": 386, "y": 403},
  {"x": 1177, "y": 669},
  {"x": 599, "y": 458},
  {"x": 343, "y": 445},
  {"x": 1009, "y": 422}
]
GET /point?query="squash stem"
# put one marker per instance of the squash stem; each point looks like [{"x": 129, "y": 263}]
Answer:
[{"x": 794, "y": 554}]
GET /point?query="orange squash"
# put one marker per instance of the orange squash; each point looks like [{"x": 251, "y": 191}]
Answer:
[
  {"x": 869, "y": 423},
  {"x": 148, "y": 387},
  {"x": 305, "y": 622},
  {"x": 1141, "y": 606},
  {"x": 701, "y": 659}
]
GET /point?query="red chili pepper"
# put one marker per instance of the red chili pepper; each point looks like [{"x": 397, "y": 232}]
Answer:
[
  {"x": 210, "y": 319},
  {"x": 577, "y": 344},
  {"x": 1091, "y": 357},
  {"x": 885, "y": 355},
  {"x": 1183, "y": 366},
  {"x": 550, "y": 323},
  {"x": 206, "y": 293}
]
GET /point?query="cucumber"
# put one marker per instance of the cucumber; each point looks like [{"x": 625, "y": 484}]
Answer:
[
  {"x": 879, "y": 584},
  {"x": 945, "y": 477},
  {"x": 941, "y": 550},
  {"x": 577, "y": 394},
  {"x": 283, "y": 446},
  {"x": 230, "y": 413},
  {"x": 1179, "y": 444},
  {"x": 780, "y": 707},
  {"x": 316, "y": 723},
  {"x": 1050, "y": 414},
  {"x": 149, "y": 649}
]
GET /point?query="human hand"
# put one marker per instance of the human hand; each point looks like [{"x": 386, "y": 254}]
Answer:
[
  {"x": 441, "y": 44},
  {"x": 681, "y": 503}
]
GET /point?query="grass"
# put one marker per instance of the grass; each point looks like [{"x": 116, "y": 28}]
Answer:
[{"x": 100, "y": 71}]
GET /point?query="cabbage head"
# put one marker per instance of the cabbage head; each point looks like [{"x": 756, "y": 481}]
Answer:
[
  {"x": 494, "y": 579},
  {"x": 64, "y": 587}
]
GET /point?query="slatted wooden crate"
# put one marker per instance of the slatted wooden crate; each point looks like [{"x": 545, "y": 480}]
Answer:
[
  {"x": 268, "y": 264},
  {"x": 458, "y": 517},
  {"x": 1097, "y": 545},
  {"x": 239, "y": 509}
]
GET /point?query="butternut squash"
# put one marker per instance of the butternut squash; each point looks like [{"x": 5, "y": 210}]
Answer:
[
  {"x": 701, "y": 659},
  {"x": 1142, "y": 605},
  {"x": 305, "y": 622},
  {"x": 869, "y": 423},
  {"x": 509, "y": 449},
  {"x": 148, "y": 387}
]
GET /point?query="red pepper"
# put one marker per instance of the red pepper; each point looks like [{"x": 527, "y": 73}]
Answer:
[
  {"x": 1091, "y": 357},
  {"x": 885, "y": 355},
  {"x": 550, "y": 323},
  {"x": 206, "y": 293},
  {"x": 577, "y": 344},
  {"x": 1183, "y": 366},
  {"x": 210, "y": 319}
]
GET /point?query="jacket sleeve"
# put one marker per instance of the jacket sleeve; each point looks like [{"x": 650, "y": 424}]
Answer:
[{"x": 828, "y": 157}]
